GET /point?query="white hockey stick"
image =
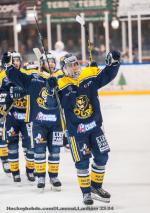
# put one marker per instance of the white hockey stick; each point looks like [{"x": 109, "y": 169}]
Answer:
[
  {"x": 81, "y": 21},
  {"x": 37, "y": 53}
]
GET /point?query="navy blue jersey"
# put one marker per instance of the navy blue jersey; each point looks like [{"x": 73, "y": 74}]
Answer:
[
  {"x": 35, "y": 87},
  {"x": 79, "y": 98},
  {"x": 5, "y": 103},
  {"x": 19, "y": 106}
]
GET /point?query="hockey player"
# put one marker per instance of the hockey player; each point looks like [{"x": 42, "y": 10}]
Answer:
[
  {"x": 58, "y": 73},
  {"x": 78, "y": 91},
  {"x": 3, "y": 109},
  {"x": 47, "y": 130},
  {"x": 15, "y": 124}
]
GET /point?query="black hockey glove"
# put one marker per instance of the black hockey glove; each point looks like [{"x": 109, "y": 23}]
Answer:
[
  {"x": 93, "y": 64},
  {"x": 7, "y": 59},
  {"x": 52, "y": 82},
  {"x": 112, "y": 58},
  {"x": 16, "y": 92}
]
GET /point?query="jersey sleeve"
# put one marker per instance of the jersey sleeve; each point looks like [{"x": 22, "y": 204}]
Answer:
[
  {"x": 106, "y": 75},
  {"x": 21, "y": 79}
]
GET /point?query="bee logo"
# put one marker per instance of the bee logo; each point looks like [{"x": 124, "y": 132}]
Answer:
[
  {"x": 83, "y": 109},
  {"x": 41, "y": 100}
]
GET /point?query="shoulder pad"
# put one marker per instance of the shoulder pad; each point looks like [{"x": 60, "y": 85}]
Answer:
[
  {"x": 58, "y": 73},
  {"x": 2, "y": 75}
]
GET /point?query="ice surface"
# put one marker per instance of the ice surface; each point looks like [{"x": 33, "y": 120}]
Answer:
[{"x": 127, "y": 128}]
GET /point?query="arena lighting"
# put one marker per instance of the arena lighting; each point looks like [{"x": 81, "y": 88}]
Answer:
[
  {"x": 18, "y": 28},
  {"x": 115, "y": 24}
]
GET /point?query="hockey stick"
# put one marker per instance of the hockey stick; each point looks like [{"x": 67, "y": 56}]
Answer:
[
  {"x": 37, "y": 53},
  {"x": 81, "y": 21},
  {"x": 7, "y": 111},
  {"x": 62, "y": 116}
]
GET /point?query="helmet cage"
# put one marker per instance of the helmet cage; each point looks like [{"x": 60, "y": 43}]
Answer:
[{"x": 68, "y": 64}]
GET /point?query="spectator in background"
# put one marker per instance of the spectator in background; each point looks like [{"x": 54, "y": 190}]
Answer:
[
  {"x": 71, "y": 47},
  {"x": 58, "y": 52},
  {"x": 102, "y": 53},
  {"x": 29, "y": 46},
  {"x": 125, "y": 56}
]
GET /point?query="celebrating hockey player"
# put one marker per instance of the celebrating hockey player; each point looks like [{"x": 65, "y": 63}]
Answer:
[
  {"x": 47, "y": 129},
  {"x": 4, "y": 95},
  {"x": 15, "y": 124},
  {"x": 78, "y": 91}
]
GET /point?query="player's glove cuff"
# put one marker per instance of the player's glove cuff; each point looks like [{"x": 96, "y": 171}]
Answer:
[
  {"x": 7, "y": 59},
  {"x": 112, "y": 58}
]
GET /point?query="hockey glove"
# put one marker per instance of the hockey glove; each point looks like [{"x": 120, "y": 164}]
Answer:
[
  {"x": 7, "y": 59},
  {"x": 112, "y": 58},
  {"x": 52, "y": 82},
  {"x": 93, "y": 64},
  {"x": 16, "y": 92}
]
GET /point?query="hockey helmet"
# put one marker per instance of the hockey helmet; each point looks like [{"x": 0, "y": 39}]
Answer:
[
  {"x": 16, "y": 55},
  {"x": 46, "y": 57},
  {"x": 70, "y": 65}
]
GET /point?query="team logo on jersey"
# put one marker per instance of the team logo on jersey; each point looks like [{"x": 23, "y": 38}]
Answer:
[
  {"x": 83, "y": 109},
  {"x": 70, "y": 90},
  {"x": 41, "y": 100},
  {"x": 2, "y": 104},
  {"x": 21, "y": 103},
  {"x": 3, "y": 97},
  {"x": 11, "y": 132},
  {"x": 102, "y": 143},
  {"x": 40, "y": 139},
  {"x": 57, "y": 138},
  {"x": 87, "y": 84},
  {"x": 85, "y": 150},
  {"x": 86, "y": 127},
  {"x": 2, "y": 110}
]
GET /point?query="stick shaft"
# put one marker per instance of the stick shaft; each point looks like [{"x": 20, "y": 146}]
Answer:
[{"x": 55, "y": 91}]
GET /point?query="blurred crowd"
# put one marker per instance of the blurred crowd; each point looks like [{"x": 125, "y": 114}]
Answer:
[{"x": 28, "y": 39}]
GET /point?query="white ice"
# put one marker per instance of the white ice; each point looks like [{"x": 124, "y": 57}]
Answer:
[{"x": 127, "y": 128}]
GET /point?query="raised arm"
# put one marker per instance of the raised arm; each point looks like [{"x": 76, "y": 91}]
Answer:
[
  {"x": 110, "y": 71},
  {"x": 14, "y": 75}
]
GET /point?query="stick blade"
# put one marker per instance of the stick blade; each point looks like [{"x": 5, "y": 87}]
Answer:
[
  {"x": 38, "y": 53},
  {"x": 80, "y": 20}
]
